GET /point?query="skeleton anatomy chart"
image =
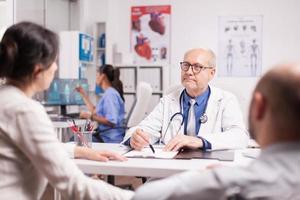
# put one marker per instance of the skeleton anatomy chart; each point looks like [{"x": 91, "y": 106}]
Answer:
[{"x": 240, "y": 46}]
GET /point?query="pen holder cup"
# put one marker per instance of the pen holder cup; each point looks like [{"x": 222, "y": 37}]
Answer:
[{"x": 84, "y": 139}]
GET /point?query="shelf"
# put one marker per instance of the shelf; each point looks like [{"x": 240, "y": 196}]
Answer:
[
  {"x": 131, "y": 93},
  {"x": 100, "y": 50},
  {"x": 87, "y": 63}
]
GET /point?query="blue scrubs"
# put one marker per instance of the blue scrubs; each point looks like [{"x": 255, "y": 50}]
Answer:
[{"x": 111, "y": 106}]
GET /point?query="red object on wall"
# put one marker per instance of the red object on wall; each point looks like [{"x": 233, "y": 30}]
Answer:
[
  {"x": 156, "y": 23},
  {"x": 142, "y": 47},
  {"x": 150, "y": 33}
]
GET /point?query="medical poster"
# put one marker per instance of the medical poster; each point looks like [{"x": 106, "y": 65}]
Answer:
[
  {"x": 240, "y": 46},
  {"x": 150, "y": 34}
]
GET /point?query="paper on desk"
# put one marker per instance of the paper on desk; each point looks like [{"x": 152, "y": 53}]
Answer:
[{"x": 147, "y": 153}]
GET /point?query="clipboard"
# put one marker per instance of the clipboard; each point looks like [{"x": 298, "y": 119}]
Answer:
[{"x": 222, "y": 155}]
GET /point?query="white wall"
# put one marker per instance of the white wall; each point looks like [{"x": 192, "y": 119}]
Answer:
[
  {"x": 194, "y": 24},
  {"x": 91, "y": 11},
  {"x": 6, "y": 15},
  {"x": 57, "y": 15},
  {"x": 30, "y": 10},
  {"x": 54, "y": 14}
]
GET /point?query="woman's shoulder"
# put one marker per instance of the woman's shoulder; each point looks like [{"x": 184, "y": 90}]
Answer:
[
  {"x": 111, "y": 92},
  {"x": 16, "y": 102}
]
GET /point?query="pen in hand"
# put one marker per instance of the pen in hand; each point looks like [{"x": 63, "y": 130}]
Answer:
[
  {"x": 152, "y": 149},
  {"x": 146, "y": 139}
]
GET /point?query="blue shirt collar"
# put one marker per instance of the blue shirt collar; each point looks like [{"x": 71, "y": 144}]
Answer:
[{"x": 199, "y": 99}]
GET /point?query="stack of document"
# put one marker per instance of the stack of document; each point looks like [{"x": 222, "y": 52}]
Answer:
[{"x": 147, "y": 153}]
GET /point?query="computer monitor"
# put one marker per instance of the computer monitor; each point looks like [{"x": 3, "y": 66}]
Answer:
[{"x": 62, "y": 93}]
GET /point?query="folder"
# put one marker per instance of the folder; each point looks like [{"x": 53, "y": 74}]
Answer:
[{"x": 199, "y": 154}]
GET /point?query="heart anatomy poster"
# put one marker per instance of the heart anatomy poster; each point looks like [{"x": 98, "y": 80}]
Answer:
[
  {"x": 150, "y": 33},
  {"x": 240, "y": 46}
]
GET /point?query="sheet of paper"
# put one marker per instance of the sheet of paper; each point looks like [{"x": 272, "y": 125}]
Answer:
[{"x": 147, "y": 153}]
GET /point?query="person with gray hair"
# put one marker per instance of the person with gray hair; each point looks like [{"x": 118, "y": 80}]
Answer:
[
  {"x": 274, "y": 123},
  {"x": 197, "y": 116}
]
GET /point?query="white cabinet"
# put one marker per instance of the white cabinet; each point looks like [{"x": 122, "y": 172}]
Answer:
[
  {"x": 131, "y": 75},
  {"x": 100, "y": 43},
  {"x": 152, "y": 75},
  {"x": 100, "y": 49},
  {"x": 55, "y": 14},
  {"x": 76, "y": 53}
]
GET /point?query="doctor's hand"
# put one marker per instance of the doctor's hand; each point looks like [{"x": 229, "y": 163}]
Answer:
[
  {"x": 139, "y": 139},
  {"x": 181, "y": 141}
]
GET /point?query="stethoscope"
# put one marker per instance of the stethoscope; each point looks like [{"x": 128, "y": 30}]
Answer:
[{"x": 202, "y": 120}]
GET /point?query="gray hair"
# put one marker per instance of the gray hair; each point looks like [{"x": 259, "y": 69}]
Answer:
[{"x": 212, "y": 60}]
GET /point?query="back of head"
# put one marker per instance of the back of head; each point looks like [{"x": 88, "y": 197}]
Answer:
[
  {"x": 23, "y": 46},
  {"x": 113, "y": 76},
  {"x": 108, "y": 70},
  {"x": 280, "y": 87}
]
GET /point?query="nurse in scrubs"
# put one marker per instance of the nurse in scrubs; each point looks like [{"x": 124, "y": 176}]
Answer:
[{"x": 110, "y": 110}]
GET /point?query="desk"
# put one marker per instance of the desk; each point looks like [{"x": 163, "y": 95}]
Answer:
[{"x": 150, "y": 167}]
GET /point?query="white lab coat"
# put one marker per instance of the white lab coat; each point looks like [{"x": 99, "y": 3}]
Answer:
[{"x": 224, "y": 129}]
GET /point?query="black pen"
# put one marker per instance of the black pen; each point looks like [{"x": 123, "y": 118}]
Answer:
[
  {"x": 74, "y": 123},
  {"x": 151, "y": 147}
]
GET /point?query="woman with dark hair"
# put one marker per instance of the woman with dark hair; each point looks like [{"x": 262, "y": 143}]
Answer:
[
  {"x": 30, "y": 152},
  {"x": 117, "y": 83},
  {"x": 110, "y": 110}
]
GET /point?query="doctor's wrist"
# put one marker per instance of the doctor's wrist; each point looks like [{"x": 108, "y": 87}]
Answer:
[{"x": 205, "y": 144}]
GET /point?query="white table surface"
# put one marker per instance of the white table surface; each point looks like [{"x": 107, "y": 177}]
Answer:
[
  {"x": 151, "y": 167},
  {"x": 66, "y": 123}
]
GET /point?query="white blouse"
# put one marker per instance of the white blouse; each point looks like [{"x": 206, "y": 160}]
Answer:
[{"x": 31, "y": 155}]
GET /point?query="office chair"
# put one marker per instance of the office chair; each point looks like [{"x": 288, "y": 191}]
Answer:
[
  {"x": 137, "y": 111},
  {"x": 173, "y": 88},
  {"x": 136, "y": 115},
  {"x": 140, "y": 105}
]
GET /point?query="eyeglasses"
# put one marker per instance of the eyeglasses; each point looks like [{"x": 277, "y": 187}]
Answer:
[{"x": 197, "y": 68}]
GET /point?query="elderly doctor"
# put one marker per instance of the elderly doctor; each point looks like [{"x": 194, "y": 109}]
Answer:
[{"x": 197, "y": 116}]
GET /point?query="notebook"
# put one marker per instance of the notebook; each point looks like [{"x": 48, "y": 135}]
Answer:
[{"x": 147, "y": 153}]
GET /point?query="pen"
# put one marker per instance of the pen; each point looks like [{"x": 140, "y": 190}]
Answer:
[
  {"x": 151, "y": 147},
  {"x": 74, "y": 123},
  {"x": 79, "y": 134}
]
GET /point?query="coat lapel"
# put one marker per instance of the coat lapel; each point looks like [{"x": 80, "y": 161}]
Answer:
[
  {"x": 211, "y": 111},
  {"x": 174, "y": 107}
]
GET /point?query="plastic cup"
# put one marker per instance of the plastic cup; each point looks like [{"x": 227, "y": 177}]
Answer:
[{"x": 84, "y": 139}]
